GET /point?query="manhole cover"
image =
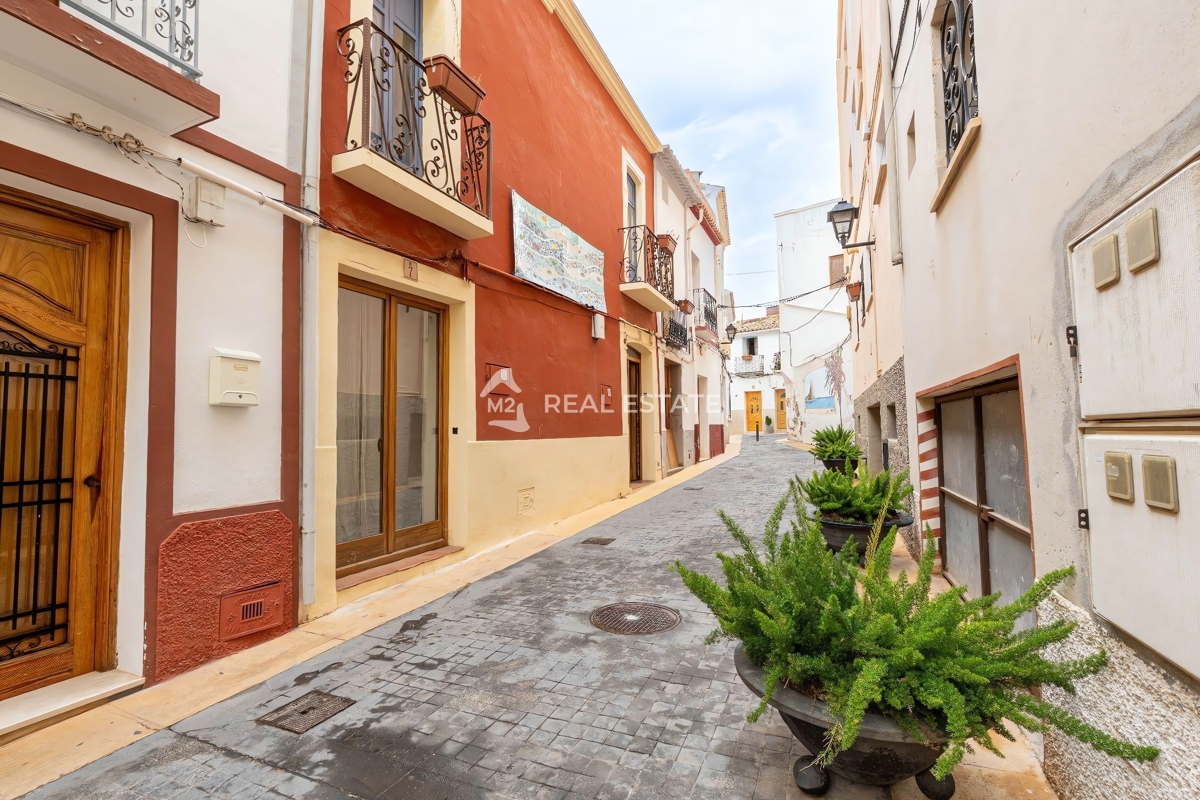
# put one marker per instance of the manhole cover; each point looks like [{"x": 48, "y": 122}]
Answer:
[
  {"x": 634, "y": 618},
  {"x": 598, "y": 540},
  {"x": 306, "y": 712}
]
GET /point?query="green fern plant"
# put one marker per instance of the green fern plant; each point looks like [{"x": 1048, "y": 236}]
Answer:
[
  {"x": 830, "y": 443},
  {"x": 837, "y": 495},
  {"x": 864, "y": 642}
]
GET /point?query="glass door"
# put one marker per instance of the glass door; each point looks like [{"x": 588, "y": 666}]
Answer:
[
  {"x": 988, "y": 542},
  {"x": 390, "y": 430},
  {"x": 398, "y": 131}
]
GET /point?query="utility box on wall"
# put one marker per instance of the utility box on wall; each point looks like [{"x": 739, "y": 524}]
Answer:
[
  {"x": 1145, "y": 538},
  {"x": 233, "y": 378},
  {"x": 1137, "y": 311}
]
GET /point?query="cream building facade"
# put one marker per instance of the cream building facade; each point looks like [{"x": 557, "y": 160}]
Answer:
[{"x": 1025, "y": 173}]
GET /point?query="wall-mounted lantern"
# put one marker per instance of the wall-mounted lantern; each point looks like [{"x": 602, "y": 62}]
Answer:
[
  {"x": 730, "y": 331},
  {"x": 854, "y": 291},
  {"x": 842, "y": 217}
]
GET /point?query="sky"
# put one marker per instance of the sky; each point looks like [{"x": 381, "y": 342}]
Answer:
[{"x": 743, "y": 90}]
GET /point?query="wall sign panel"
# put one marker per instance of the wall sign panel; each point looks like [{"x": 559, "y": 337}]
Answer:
[{"x": 551, "y": 255}]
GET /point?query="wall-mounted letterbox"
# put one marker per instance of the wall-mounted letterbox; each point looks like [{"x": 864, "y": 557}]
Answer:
[{"x": 233, "y": 378}]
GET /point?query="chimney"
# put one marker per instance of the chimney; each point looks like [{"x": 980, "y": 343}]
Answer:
[{"x": 772, "y": 311}]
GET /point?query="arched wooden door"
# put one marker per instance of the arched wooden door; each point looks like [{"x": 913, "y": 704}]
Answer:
[{"x": 61, "y": 290}]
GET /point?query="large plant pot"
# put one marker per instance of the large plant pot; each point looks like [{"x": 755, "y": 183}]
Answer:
[
  {"x": 882, "y": 755},
  {"x": 840, "y": 464},
  {"x": 448, "y": 80},
  {"x": 838, "y": 533}
]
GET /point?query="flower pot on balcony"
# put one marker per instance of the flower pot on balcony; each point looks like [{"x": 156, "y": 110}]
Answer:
[
  {"x": 667, "y": 243},
  {"x": 453, "y": 85},
  {"x": 747, "y": 358},
  {"x": 686, "y": 306}
]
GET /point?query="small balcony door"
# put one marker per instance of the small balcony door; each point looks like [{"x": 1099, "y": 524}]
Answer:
[
  {"x": 391, "y": 432},
  {"x": 398, "y": 128},
  {"x": 985, "y": 493}
]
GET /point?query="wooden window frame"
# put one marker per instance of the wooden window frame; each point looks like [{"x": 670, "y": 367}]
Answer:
[
  {"x": 983, "y": 513},
  {"x": 391, "y": 536}
]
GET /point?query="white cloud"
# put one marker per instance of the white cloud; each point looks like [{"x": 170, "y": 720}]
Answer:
[{"x": 743, "y": 90}]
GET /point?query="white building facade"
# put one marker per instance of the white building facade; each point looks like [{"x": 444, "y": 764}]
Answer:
[
  {"x": 815, "y": 342},
  {"x": 1026, "y": 305}
]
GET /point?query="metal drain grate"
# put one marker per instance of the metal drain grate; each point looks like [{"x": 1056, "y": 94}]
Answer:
[
  {"x": 598, "y": 540},
  {"x": 634, "y": 618},
  {"x": 306, "y": 712}
]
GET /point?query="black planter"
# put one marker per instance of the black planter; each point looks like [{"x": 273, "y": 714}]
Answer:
[
  {"x": 838, "y": 533},
  {"x": 839, "y": 464},
  {"x": 882, "y": 755}
]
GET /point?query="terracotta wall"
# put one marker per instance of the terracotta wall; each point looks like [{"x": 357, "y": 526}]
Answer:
[
  {"x": 201, "y": 561},
  {"x": 557, "y": 140}
]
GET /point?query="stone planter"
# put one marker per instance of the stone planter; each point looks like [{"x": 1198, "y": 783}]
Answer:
[
  {"x": 838, "y": 533},
  {"x": 840, "y": 464},
  {"x": 882, "y": 755}
]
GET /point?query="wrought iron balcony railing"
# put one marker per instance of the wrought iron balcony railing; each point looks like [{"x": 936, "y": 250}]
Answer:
[
  {"x": 167, "y": 29},
  {"x": 646, "y": 260},
  {"x": 676, "y": 329},
  {"x": 748, "y": 365},
  {"x": 394, "y": 113},
  {"x": 706, "y": 310}
]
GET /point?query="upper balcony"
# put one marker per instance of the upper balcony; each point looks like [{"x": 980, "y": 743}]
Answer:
[
  {"x": 138, "y": 57},
  {"x": 414, "y": 137},
  {"x": 649, "y": 269},
  {"x": 706, "y": 316},
  {"x": 749, "y": 366}
]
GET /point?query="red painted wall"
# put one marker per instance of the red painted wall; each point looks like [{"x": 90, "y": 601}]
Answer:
[
  {"x": 557, "y": 138},
  {"x": 201, "y": 561}
]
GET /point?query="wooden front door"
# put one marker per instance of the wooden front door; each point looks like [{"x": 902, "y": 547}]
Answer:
[
  {"x": 753, "y": 411},
  {"x": 61, "y": 296},
  {"x": 633, "y": 403},
  {"x": 781, "y": 409},
  {"x": 391, "y": 426}
]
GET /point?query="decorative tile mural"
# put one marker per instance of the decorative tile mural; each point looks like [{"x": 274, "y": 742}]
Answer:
[{"x": 551, "y": 255}]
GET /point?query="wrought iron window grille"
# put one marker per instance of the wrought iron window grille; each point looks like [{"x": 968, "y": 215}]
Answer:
[
  {"x": 706, "y": 310},
  {"x": 168, "y": 29},
  {"x": 960, "y": 90},
  {"x": 395, "y": 114},
  {"x": 676, "y": 330},
  {"x": 646, "y": 260}
]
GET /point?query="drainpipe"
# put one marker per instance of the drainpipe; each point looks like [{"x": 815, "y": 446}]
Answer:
[
  {"x": 889, "y": 109},
  {"x": 309, "y": 306}
]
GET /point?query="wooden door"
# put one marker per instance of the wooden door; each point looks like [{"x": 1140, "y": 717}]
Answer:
[
  {"x": 754, "y": 413},
  {"x": 391, "y": 426},
  {"x": 61, "y": 310},
  {"x": 781, "y": 409},
  {"x": 633, "y": 404}
]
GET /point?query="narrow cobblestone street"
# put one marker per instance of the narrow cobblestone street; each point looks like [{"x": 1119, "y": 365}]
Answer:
[{"x": 505, "y": 690}]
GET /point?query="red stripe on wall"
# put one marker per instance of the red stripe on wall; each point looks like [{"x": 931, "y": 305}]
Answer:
[{"x": 927, "y": 435}]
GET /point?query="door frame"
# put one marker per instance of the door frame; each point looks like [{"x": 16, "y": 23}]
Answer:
[
  {"x": 983, "y": 513},
  {"x": 107, "y": 514},
  {"x": 388, "y": 478}
]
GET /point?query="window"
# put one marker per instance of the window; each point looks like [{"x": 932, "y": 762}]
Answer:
[
  {"x": 631, "y": 200},
  {"x": 751, "y": 345},
  {"x": 401, "y": 20},
  {"x": 837, "y": 270},
  {"x": 960, "y": 92}
]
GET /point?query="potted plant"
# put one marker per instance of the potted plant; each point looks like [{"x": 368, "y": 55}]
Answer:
[
  {"x": 879, "y": 681},
  {"x": 685, "y": 306},
  {"x": 667, "y": 243},
  {"x": 768, "y": 425},
  {"x": 848, "y": 507},
  {"x": 452, "y": 84},
  {"x": 836, "y": 449}
]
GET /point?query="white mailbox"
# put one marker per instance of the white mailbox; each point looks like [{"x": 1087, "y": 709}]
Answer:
[{"x": 233, "y": 378}]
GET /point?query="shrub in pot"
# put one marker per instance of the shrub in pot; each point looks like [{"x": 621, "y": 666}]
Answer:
[
  {"x": 878, "y": 680},
  {"x": 769, "y": 425},
  {"x": 848, "y": 507},
  {"x": 836, "y": 449}
]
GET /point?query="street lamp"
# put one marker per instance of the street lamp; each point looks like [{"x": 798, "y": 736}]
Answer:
[
  {"x": 730, "y": 331},
  {"x": 842, "y": 218}
]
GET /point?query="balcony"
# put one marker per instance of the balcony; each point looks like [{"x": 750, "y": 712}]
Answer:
[
  {"x": 675, "y": 329},
  {"x": 706, "y": 316},
  {"x": 410, "y": 140},
  {"x": 137, "y": 57},
  {"x": 649, "y": 269},
  {"x": 749, "y": 366}
]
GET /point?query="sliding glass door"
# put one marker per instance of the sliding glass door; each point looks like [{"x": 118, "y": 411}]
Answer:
[{"x": 391, "y": 408}]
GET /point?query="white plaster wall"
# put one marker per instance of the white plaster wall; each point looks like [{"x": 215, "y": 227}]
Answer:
[{"x": 245, "y": 52}]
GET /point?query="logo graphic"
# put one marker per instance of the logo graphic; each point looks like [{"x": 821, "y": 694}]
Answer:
[{"x": 505, "y": 405}]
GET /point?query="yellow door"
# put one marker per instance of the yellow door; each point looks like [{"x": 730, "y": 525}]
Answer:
[
  {"x": 753, "y": 411},
  {"x": 781, "y": 409}
]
